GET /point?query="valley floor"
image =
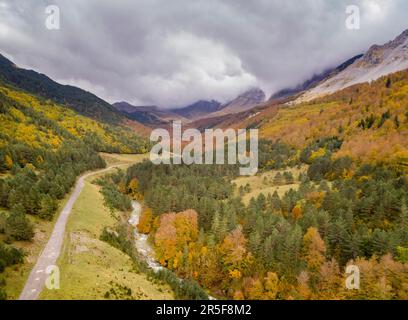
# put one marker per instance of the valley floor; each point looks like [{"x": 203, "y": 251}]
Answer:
[{"x": 91, "y": 268}]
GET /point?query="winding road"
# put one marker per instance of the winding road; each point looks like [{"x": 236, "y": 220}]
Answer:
[{"x": 48, "y": 257}]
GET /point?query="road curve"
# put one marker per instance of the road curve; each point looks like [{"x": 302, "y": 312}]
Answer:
[{"x": 48, "y": 257}]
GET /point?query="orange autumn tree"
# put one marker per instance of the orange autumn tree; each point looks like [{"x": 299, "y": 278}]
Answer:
[
  {"x": 175, "y": 232},
  {"x": 271, "y": 286}
]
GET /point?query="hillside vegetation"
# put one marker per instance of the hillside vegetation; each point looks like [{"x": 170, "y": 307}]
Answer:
[
  {"x": 43, "y": 148},
  {"x": 77, "y": 99},
  {"x": 370, "y": 119}
]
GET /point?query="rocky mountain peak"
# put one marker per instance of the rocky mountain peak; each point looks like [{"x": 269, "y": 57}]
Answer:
[
  {"x": 254, "y": 94},
  {"x": 378, "y": 61},
  {"x": 378, "y": 53}
]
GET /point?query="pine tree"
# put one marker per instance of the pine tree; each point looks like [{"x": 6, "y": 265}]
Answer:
[
  {"x": 255, "y": 242},
  {"x": 216, "y": 225},
  {"x": 47, "y": 207},
  {"x": 388, "y": 83},
  {"x": 32, "y": 200},
  {"x": 278, "y": 179},
  {"x": 275, "y": 201},
  {"x": 288, "y": 177},
  {"x": 402, "y": 226},
  {"x": 4, "y": 193},
  {"x": 3, "y": 166},
  {"x": 18, "y": 227}
]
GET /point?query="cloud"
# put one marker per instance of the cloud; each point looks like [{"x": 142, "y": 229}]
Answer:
[{"x": 172, "y": 53}]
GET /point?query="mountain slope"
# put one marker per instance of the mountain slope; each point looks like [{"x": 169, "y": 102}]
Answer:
[
  {"x": 28, "y": 120},
  {"x": 148, "y": 115},
  {"x": 371, "y": 120},
  {"x": 377, "y": 62},
  {"x": 313, "y": 81},
  {"x": 198, "y": 109},
  {"x": 79, "y": 100},
  {"x": 244, "y": 102}
]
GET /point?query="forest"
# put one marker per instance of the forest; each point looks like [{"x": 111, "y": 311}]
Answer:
[{"x": 294, "y": 246}]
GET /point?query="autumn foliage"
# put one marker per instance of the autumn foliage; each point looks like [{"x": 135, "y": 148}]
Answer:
[{"x": 175, "y": 231}]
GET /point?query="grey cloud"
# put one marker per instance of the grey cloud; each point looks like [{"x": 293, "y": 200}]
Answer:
[{"x": 171, "y": 53}]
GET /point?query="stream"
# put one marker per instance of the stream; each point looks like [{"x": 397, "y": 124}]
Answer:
[{"x": 141, "y": 241}]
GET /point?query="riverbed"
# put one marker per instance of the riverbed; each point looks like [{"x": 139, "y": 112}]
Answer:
[{"x": 141, "y": 240}]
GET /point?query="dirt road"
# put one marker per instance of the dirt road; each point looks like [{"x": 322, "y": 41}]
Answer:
[{"x": 36, "y": 281}]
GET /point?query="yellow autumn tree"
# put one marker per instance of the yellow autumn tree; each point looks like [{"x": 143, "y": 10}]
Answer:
[
  {"x": 314, "y": 249},
  {"x": 8, "y": 161},
  {"x": 175, "y": 231},
  {"x": 145, "y": 221},
  {"x": 134, "y": 189},
  {"x": 271, "y": 286}
]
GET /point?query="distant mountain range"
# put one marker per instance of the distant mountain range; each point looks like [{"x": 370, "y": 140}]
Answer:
[
  {"x": 153, "y": 115},
  {"x": 376, "y": 62},
  {"x": 148, "y": 115}
]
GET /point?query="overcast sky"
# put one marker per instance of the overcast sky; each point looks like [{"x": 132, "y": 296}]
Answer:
[{"x": 172, "y": 53}]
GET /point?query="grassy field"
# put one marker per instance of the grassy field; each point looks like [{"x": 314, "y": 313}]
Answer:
[
  {"x": 264, "y": 183},
  {"x": 113, "y": 159},
  {"x": 89, "y": 268}
]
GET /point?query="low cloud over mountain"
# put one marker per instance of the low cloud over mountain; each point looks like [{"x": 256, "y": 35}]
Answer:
[{"x": 173, "y": 53}]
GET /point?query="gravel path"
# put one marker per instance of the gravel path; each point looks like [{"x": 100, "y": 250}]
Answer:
[{"x": 36, "y": 281}]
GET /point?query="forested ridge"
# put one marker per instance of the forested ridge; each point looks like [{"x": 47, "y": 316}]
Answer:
[
  {"x": 83, "y": 102},
  {"x": 44, "y": 147},
  {"x": 370, "y": 118}
]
